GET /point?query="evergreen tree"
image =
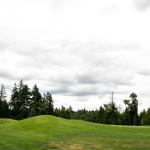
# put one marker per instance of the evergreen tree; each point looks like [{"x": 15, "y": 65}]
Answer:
[
  {"x": 101, "y": 115},
  {"x": 94, "y": 117},
  {"x": 20, "y": 100},
  {"x": 126, "y": 117},
  {"x": 39, "y": 108},
  {"x": 25, "y": 97},
  {"x": 48, "y": 101},
  {"x": 56, "y": 112},
  {"x": 14, "y": 102},
  {"x": 146, "y": 117},
  {"x": 20, "y": 91},
  {"x": 36, "y": 95}
]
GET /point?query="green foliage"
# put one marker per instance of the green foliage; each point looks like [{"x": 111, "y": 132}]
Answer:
[
  {"x": 36, "y": 95},
  {"x": 111, "y": 111},
  {"x": 145, "y": 117},
  {"x": 68, "y": 114},
  {"x": 23, "y": 100},
  {"x": 132, "y": 107},
  {"x": 24, "y": 113},
  {"x": 48, "y": 101},
  {"x": 56, "y": 112},
  {"x": 65, "y": 113},
  {"x": 39, "y": 108},
  {"x": 26, "y": 103},
  {"x": 101, "y": 115}
]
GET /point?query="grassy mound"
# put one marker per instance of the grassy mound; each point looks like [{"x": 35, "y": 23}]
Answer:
[
  {"x": 3, "y": 120},
  {"x": 49, "y": 132}
]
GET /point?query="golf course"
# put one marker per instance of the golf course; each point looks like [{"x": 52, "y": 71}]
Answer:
[{"x": 49, "y": 132}]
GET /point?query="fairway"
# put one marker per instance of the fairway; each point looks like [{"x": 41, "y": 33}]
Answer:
[
  {"x": 49, "y": 132},
  {"x": 3, "y": 120}
]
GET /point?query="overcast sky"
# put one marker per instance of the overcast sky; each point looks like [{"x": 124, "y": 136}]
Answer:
[{"x": 78, "y": 50}]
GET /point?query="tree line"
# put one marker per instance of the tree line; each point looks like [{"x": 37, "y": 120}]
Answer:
[
  {"x": 110, "y": 114},
  {"x": 25, "y": 103}
]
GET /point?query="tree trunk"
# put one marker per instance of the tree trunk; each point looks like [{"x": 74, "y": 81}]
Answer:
[{"x": 134, "y": 120}]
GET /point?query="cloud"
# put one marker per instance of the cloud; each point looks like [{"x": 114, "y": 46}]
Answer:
[
  {"x": 80, "y": 51},
  {"x": 142, "y": 4}
]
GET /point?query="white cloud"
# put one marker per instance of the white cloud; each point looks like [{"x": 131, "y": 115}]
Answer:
[{"x": 79, "y": 51}]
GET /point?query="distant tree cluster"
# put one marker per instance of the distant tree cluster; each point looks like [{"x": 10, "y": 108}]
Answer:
[
  {"x": 110, "y": 114},
  {"x": 25, "y": 103},
  {"x": 63, "y": 112}
]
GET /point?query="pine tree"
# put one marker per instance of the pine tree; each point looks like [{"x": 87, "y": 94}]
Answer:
[
  {"x": 26, "y": 96},
  {"x": 15, "y": 102},
  {"x": 48, "y": 101},
  {"x": 36, "y": 95},
  {"x": 101, "y": 115}
]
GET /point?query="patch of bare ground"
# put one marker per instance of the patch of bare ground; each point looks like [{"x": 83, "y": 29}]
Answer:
[
  {"x": 82, "y": 145},
  {"x": 137, "y": 145},
  {"x": 65, "y": 146}
]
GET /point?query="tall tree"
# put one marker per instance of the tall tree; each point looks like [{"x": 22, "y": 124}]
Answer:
[
  {"x": 36, "y": 95},
  {"x": 48, "y": 101},
  {"x": 14, "y": 102},
  {"x": 25, "y": 97},
  {"x": 132, "y": 105}
]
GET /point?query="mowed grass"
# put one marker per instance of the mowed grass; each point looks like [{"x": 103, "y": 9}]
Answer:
[
  {"x": 3, "y": 120},
  {"x": 50, "y": 132}
]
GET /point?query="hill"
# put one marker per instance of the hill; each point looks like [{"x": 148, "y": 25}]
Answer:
[
  {"x": 50, "y": 132},
  {"x": 3, "y": 120}
]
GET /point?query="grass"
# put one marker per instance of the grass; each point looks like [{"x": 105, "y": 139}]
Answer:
[
  {"x": 49, "y": 132},
  {"x": 3, "y": 120}
]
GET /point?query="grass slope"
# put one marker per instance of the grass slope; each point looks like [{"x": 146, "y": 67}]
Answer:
[
  {"x": 49, "y": 132},
  {"x": 3, "y": 120}
]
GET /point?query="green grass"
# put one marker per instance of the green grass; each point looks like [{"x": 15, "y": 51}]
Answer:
[
  {"x": 3, "y": 120},
  {"x": 49, "y": 132}
]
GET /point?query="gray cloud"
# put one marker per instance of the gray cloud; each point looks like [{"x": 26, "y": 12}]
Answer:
[
  {"x": 144, "y": 72},
  {"x": 142, "y": 4}
]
